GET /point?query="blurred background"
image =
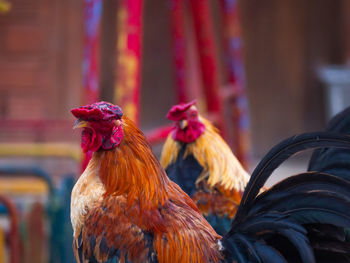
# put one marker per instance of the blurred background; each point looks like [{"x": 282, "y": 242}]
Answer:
[{"x": 260, "y": 70}]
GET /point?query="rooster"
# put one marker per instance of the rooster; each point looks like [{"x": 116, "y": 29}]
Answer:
[
  {"x": 197, "y": 158},
  {"x": 124, "y": 207}
]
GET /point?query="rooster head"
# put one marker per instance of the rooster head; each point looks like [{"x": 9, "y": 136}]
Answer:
[
  {"x": 188, "y": 125},
  {"x": 101, "y": 123}
]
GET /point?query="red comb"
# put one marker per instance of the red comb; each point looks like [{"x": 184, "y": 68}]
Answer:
[
  {"x": 98, "y": 111},
  {"x": 177, "y": 112}
]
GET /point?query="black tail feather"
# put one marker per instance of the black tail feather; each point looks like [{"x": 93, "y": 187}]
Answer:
[
  {"x": 283, "y": 151},
  {"x": 308, "y": 212},
  {"x": 329, "y": 160},
  {"x": 306, "y": 182}
]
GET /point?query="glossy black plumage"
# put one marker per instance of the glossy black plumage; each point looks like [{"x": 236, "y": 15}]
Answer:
[
  {"x": 184, "y": 172},
  {"x": 330, "y": 160},
  {"x": 300, "y": 219}
]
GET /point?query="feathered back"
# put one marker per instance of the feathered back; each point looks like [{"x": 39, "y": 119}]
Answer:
[
  {"x": 214, "y": 155},
  {"x": 296, "y": 220}
]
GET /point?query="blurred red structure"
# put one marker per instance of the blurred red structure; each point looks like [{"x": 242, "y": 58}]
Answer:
[
  {"x": 216, "y": 97},
  {"x": 14, "y": 243},
  {"x": 158, "y": 135},
  {"x": 177, "y": 11},
  {"x": 129, "y": 53},
  {"x": 237, "y": 97},
  {"x": 92, "y": 20},
  {"x": 204, "y": 31}
]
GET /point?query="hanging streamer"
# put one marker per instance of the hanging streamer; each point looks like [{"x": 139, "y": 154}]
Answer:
[
  {"x": 128, "y": 67},
  {"x": 236, "y": 77},
  {"x": 177, "y": 10},
  {"x": 92, "y": 19},
  {"x": 14, "y": 235},
  {"x": 203, "y": 25}
]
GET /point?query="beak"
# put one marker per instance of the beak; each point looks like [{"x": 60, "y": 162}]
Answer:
[
  {"x": 183, "y": 124},
  {"x": 79, "y": 123}
]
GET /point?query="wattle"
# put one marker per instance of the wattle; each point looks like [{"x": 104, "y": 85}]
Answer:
[
  {"x": 190, "y": 133},
  {"x": 94, "y": 141},
  {"x": 90, "y": 140}
]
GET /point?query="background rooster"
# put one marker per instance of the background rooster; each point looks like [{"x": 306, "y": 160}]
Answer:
[
  {"x": 197, "y": 158},
  {"x": 124, "y": 206}
]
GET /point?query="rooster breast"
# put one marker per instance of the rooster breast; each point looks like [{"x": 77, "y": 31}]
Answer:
[{"x": 86, "y": 192}]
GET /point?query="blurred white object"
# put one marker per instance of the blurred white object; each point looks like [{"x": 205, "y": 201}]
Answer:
[{"x": 337, "y": 79}]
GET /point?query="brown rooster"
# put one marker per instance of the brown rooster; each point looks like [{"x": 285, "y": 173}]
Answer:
[
  {"x": 125, "y": 204},
  {"x": 125, "y": 208},
  {"x": 197, "y": 158}
]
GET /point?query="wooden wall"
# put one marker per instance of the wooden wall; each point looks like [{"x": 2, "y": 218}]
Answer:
[
  {"x": 285, "y": 44},
  {"x": 40, "y": 69},
  {"x": 40, "y": 65},
  {"x": 157, "y": 94}
]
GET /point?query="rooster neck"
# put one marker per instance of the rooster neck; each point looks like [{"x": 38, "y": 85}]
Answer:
[{"x": 132, "y": 170}]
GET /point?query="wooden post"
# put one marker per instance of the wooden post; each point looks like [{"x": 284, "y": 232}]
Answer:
[
  {"x": 177, "y": 10},
  {"x": 92, "y": 17},
  {"x": 128, "y": 67},
  {"x": 207, "y": 54},
  {"x": 239, "y": 111},
  {"x": 108, "y": 44},
  {"x": 15, "y": 253}
]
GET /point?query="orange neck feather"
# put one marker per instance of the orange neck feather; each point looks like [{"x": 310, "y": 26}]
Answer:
[{"x": 131, "y": 169}]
